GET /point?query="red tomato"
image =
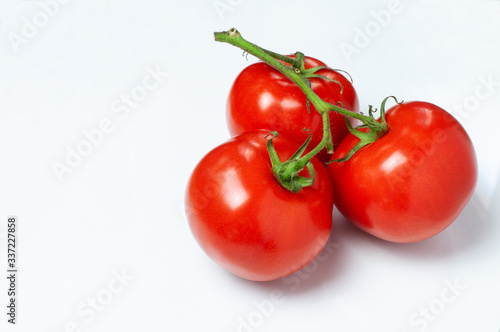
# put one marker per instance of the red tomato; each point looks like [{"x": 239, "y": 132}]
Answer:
[
  {"x": 263, "y": 98},
  {"x": 246, "y": 221},
  {"x": 413, "y": 182}
]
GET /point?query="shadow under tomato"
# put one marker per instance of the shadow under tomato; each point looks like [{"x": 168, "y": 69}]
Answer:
[
  {"x": 323, "y": 269},
  {"x": 472, "y": 228}
]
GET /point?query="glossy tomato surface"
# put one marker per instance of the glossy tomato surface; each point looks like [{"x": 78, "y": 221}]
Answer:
[
  {"x": 246, "y": 221},
  {"x": 413, "y": 182},
  {"x": 263, "y": 98}
]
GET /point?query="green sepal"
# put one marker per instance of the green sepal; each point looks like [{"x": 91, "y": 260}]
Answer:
[
  {"x": 365, "y": 138},
  {"x": 273, "y": 155},
  {"x": 311, "y": 73},
  {"x": 287, "y": 173},
  {"x": 376, "y": 130}
]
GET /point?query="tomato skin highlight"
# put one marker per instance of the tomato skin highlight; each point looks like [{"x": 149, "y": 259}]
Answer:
[
  {"x": 246, "y": 221},
  {"x": 413, "y": 182},
  {"x": 263, "y": 98}
]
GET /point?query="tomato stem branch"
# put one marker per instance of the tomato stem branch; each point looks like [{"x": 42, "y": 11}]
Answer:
[
  {"x": 273, "y": 59},
  {"x": 293, "y": 68}
]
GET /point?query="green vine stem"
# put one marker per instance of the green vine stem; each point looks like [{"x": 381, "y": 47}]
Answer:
[{"x": 293, "y": 68}]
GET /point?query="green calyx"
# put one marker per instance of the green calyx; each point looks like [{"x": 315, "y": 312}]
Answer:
[
  {"x": 376, "y": 129},
  {"x": 287, "y": 173}
]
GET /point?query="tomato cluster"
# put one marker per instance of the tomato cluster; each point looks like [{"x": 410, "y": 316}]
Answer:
[{"x": 406, "y": 186}]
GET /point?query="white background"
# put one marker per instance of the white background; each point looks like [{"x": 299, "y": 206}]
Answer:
[{"x": 119, "y": 210}]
